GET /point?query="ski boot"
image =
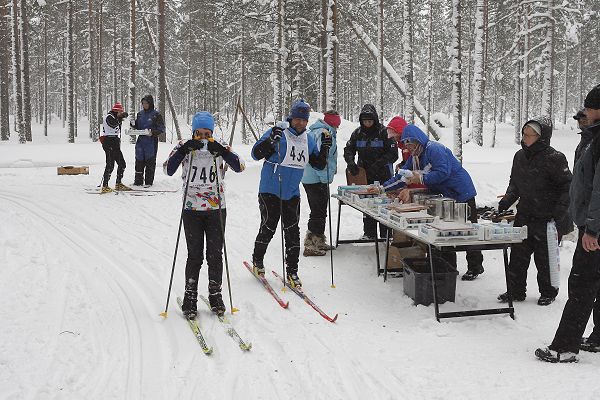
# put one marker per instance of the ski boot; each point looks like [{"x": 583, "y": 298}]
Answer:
[
  {"x": 258, "y": 268},
  {"x": 293, "y": 279},
  {"x": 190, "y": 299},
  {"x": 321, "y": 242},
  {"x": 121, "y": 187},
  {"x": 311, "y": 246},
  {"x": 589, "y": 345},
  {"x": 215, "y": 299},
  {"x": 548, "y": 355},
  {"x": 106, "y": 189}
]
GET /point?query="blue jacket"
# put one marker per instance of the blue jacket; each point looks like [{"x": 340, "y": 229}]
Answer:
[
  {"x": 313, "y": 175},
  {"x": 147, "y": 146},
  {"x": 446, "y": 175},
  {"x": 290, "y": 177}
]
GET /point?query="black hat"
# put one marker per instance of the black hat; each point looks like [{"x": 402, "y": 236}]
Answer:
[
  {"x": 592, "y": 100},
  {"x": 580, "y": 114}
]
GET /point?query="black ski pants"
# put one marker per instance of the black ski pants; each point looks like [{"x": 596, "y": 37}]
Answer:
[
  {"x": 520, "y": 256},
  {"x": 269, "y": 218},
  {"x": 474, "y": 258},
  {"x": 317, "y": 195},
  {"x": 149, "y": 167},
  {"x": 199, "y": 225},
  {"x": 112, "y": 149},
  {"x": 584, "y": 284}
]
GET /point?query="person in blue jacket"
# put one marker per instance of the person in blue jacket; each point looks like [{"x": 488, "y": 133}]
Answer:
[
  {"x": 316, "y": 184},
  {"x": 433, "y": 165},
  {"x": 146, "y": 147},
  {"x": 286, "y": 152}
]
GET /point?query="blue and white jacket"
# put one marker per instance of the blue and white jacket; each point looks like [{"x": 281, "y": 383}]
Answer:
[{"x": 313, "y": 175}]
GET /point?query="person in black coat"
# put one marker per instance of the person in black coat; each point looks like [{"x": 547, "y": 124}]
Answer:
[
  {"x": 539, "y": 180},
  {"x": 376, "y": 154}
]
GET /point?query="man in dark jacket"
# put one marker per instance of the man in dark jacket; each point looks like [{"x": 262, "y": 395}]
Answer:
[
  {"x": 376, "y": 154},
  {"x": 584, "y": 280},
  {"x": 146, "y": 147},
  {"x": 111, "y": 144},
  {"x": 539, "y": 179}
]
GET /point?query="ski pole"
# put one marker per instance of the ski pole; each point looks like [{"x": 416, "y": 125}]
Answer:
[
  {"x": 187, "y": 184},
  {"x": 284, "y": 125},
  {"x": 223, "y": 236},
  {"x": 329, "y": 213}
]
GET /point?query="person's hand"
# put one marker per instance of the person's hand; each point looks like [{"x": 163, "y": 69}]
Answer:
[
  {"x": 276, "y": 133},
  {"x": 191, "y": 145},
  {"x": 415, "y": 179},
  {"x": 132, "y": 121},
  {"x": 215, "y": 148},
  {"x": 326, "y": 139},
  {"x": 404, "y": 196},
  {"x": 353, "y": 168},
  {"x": 589, "y": 242}
]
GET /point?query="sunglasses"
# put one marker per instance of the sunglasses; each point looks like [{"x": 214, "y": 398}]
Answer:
[{"x": 408, "y": 141}]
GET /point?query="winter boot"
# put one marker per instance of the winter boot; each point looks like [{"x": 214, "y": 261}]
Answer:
[
  {"x": 548, "y": 355},
  {"x": 545, "y": 300},
  {"x": 258, "y": 268},
  {"x": 472, "y": 274},
  {"x": 121, "y": 187},
  {"x": 106, "y": 189},
  {"x": 588, "y": 345},
  {"x": 311, "y": 247},
  {"x": 190, "y": 299},
  {"x": 215, "y": 299},
  {"x": 292, "y": 278},
  {"x": 503, "y": 298},
  {"x": 322, "y": 243}
]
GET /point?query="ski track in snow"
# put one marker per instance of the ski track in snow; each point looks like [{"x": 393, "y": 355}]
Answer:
[{"x": 85, "y": 277}]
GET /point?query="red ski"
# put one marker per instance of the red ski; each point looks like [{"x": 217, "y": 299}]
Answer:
[
  {"x": 306, "y": 299},
  {"x": 267, "y": 286}
]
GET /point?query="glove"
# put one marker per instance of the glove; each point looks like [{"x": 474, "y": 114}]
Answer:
[
  {"x": 191, "y": 145},
  {"x": 502, "y": 206},
  {"x": 326, "y": 139},
  {"x": 353, "y": 168},
  {"x": 276, "y": 133},
  {"x": 215, "y": 148}
]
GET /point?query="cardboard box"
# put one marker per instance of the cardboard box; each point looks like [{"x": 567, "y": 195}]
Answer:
[
  {"x": 71, "y": 170},
  {"x": 396, "y": 255},
  {"x": 399, "y": 237}
]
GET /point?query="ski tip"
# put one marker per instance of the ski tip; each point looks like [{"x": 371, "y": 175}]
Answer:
[
  {"x": 246, "y": 346},
  {"x": 208, "y": 351},
  {"x": 163, "y": 314},
  {"x": 332, "y": 320},
  {"x": 285, "y": 305}
]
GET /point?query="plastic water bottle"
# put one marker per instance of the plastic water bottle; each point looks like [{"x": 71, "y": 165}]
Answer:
[{"x": 553, "y": 254}]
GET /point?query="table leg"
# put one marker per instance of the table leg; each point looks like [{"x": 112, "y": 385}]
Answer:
[
  {"x": 387, "y": 253},
  {"x": 434, "y": 285},
  {"x": 377, "y": 254},
  {"x": 508, "y": 288},
  {"x": 337, "y": 234}
]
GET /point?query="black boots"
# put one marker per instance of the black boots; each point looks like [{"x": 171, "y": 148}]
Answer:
[
  {"x": 215, "y": 299},
  {"x": 190, "y": 299}
]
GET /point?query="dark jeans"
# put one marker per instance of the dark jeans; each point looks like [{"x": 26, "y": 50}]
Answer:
[
  {"x": 474, "y": 258},
  {"x": 269, "y": 218},
  {"x": 112, "y": 149},
  {"x": 198, "y": 225},
  {"x": 316, "y": 193},
  {"x": 147, "y": 166},
  {"x": 584, "y": 284},
  {"x": 520, "y": 255}
]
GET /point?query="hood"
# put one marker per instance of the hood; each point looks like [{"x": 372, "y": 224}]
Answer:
[
  {"x": 413, "y": 132},
  {"x": 546, "y": 125},
  {"x": 149, "y": 99},
  {"x": 368, "y": 112},
  {"x": 320, "y": 124}
]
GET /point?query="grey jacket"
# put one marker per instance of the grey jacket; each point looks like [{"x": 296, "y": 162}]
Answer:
[{"x": 585, "y": 186}]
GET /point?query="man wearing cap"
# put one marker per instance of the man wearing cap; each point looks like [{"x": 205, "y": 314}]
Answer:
[
  {"x": 286, "y": 152},
  {"x": 584, "y": 279},
  {"x": 316, "y": 184},
  {"x": 146, "y": 147},
  {"x": 111, "y": 144}
]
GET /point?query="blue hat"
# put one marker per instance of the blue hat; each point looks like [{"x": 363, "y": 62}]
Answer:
[
  {"x": 203, "y": 119},
  {"x": 300, "y": 109}
]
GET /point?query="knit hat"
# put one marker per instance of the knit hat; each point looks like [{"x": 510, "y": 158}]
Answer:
[
  {"x": 118, "y": 107},
  {"x": 332, "y": 118},
  {"x": 300, "y": 109},
  {"x": 203, "y": 119},
  {"x": 397, "y": 124},
  {"x": 535, "y": 126},
  {"x": 592, "y": 100}
]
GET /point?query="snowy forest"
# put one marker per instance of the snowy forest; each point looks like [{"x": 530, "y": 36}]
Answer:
[{"x": 474, "y": 61}]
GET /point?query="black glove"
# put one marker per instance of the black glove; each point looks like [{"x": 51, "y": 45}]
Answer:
[
  {"x": 326, "y": 139},
  {"x": 276, "y": 133},
  {"x": 353, "y": 168},
  {"x": 191, "y": 145},
  {"x": 502, "y": 206},
  {"x": 215, "y": 148}
]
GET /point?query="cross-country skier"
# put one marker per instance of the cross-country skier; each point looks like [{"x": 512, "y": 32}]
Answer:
[{"x": 111, "y": 144}]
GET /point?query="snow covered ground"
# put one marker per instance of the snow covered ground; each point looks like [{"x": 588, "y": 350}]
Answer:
[{"x": 84, "y": 277}]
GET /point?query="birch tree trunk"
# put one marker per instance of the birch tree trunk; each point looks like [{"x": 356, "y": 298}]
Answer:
[
  {"x": 548, "y": 62},
  {"x": 4, "y": 66},
  {"x": 17, "y": 83},
  {"x": 525, "y": 86},
  {"x": 456, "y": 70},
  {"x": 331, "y": 102},
  {"x": 131, "y": 85},
  {"x": 24, "y": 32},
  {"x": 70, "y": 80},
  {"x": 115, "y": 63},
  {"x": 429, "y": 77},
  {"x": 478, "y": 74},
  {"x": 279, "y": 63},
  {"x": 407, "y": 42},
  {"x": 161, "y": 65},
  {"x": 92, "y": 95},
  {"x": 566, "y": 84}
]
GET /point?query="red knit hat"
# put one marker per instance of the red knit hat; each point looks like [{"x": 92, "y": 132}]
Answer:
[
  {"x": 397, "y": 124},
  {"x": 117, "y": 107},
  {"x": 332, "y": 118}
]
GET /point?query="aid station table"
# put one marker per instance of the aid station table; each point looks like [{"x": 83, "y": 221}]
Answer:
[{"x": 458, "y": 245}]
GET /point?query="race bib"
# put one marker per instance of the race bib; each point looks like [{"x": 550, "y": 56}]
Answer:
[{"x": 296, "y": 155}]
